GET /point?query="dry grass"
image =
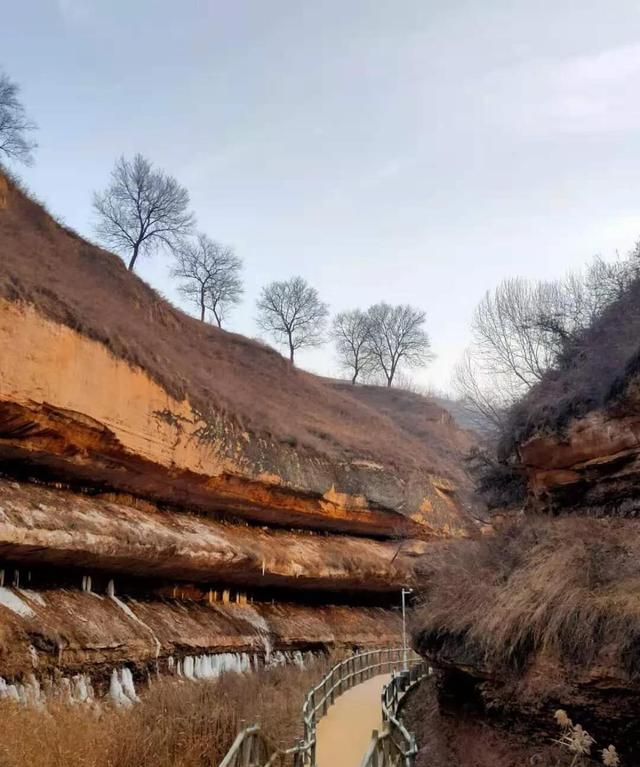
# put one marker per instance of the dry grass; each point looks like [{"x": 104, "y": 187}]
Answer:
[
  {"x": 570, "y": 586},
  {"x": 91, "y": 291},
  {"x": 176, "y": 725}
]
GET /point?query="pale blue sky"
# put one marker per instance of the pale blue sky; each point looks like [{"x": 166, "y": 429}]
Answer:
[{"x": 407, "y": 150}]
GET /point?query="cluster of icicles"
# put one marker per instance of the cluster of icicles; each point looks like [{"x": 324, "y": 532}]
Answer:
[
  {"x": 122, "y": 691},
  {"x": 76, "y": 689}
]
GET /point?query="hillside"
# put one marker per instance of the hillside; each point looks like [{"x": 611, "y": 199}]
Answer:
[{"x": 230, "y": 394}]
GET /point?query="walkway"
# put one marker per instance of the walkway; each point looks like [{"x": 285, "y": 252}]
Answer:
[{"x": 344, "y": 733}]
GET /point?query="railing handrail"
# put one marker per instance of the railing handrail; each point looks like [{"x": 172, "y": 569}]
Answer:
[
  {"x": 340, "y": 678},
  {"x": 393, "y": 695}
]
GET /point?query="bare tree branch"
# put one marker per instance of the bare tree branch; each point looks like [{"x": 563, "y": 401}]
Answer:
[
  {"x": 350, "y": 331},
  {"x": 210, "y": 275},
  {"x": 293, "y": 314},
  {"x": 522, "y": 329},
  {"x": 141, "y": 210},
  {"x": 15, "y": 126},
  {"x": 396, "y": 336}
]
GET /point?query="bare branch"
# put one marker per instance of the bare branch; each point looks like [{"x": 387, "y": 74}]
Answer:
[
  {"x": 350, "y": 332},
  {"x": 15, "y": 126},
  {"x": 142, "y": 209},
  {"x": 396, "y": 336},
  {"x": 293, "y": 314},
  {"x": 210, "y": 276}
]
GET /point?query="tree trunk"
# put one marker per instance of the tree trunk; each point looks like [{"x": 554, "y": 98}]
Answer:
[
  {"x": 353, "y": 378},
  {"x": 291, "y": 351},
  {"x": 134, "y": 256}
]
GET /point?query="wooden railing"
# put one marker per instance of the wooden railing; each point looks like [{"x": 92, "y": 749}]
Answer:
[
  {"x": 252, "y": 748},
  {"x": 394, "y": 745}
]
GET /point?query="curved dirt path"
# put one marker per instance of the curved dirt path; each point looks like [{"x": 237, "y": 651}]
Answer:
[{"x": 343, "y": 735}]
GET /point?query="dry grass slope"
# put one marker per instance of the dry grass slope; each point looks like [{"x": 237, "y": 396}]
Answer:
[
  {"x": 567, "y": 586},
  {"x": 90, "y": 290}
]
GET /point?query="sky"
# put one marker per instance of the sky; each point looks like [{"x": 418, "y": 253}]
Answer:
[{"x": 412, "y": 151}]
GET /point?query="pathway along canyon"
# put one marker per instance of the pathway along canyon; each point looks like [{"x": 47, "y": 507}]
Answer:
[{"x": 177, "y": 500}]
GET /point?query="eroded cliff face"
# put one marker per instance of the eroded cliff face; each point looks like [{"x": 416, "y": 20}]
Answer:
[
  {"x": 71, "y": 410},
  {"x": 138, "y": 539},
  {"x": 593, "y": 465},
  {"x": 178, "y": 499}
]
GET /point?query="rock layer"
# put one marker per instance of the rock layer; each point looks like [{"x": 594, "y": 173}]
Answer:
[{"x": 592, "y": 466}]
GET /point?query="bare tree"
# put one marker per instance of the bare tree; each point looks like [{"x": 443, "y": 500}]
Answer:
[
  {"x": 396, "y": 336},
  {"x": 210, "y": 275},
  {"x": 141, "y": 209},
  {"x": 15, "y": 126},
  {"x": 483, "y": 402},
  {"x": 523, "y": 328},
  {"x": 293, "y": 314},
  {"x": 350, "y": 331}
]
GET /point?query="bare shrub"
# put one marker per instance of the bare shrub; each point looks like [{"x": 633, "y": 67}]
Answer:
[{"x": 525, "y": 330}]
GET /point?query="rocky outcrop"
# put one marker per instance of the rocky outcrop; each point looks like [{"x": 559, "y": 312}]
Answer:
[
  {"x": 139, "y": 540},
  {"x": 590, "y": 467}
]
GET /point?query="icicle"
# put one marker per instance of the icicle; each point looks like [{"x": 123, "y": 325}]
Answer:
[
  {"x": 111, "y": 588},
  {"x": 65, "y": 690},
  {"x": 116, "y": 693},
  {"x": 128, "y": 686},
  {"x": 188, "y": 667},
  {"x": 81, "y": 688}
]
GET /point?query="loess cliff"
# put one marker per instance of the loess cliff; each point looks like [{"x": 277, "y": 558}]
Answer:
[{"x": 176, "y": 498}]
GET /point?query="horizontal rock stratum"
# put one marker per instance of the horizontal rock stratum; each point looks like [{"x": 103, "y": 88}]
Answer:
[{"x": 170, "y": 491}]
